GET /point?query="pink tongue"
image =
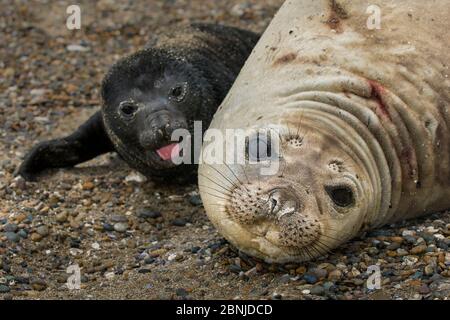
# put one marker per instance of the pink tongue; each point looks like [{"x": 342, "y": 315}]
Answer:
[{"x": 166, "y": 152}]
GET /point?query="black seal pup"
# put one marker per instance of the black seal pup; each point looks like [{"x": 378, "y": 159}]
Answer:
[{"x": 181, "y": 77}]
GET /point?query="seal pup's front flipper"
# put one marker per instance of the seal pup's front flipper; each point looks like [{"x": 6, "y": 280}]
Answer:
[{"x": 87, "y": 142}]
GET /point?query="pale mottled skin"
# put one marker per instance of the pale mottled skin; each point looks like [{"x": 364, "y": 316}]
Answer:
[{"x": 364, "y": 119}]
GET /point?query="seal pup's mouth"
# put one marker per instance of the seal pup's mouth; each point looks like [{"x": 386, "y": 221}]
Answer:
[{"x": 168, "y": 152}]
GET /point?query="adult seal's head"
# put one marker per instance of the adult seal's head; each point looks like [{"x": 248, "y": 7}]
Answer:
[
  {"x": 319, "y": 195},
  {"x": 359, "y": 123},
  {"x": 148, "y": 96}
]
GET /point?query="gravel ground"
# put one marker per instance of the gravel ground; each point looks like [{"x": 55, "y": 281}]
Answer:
[{"x": 138, "y": 240}]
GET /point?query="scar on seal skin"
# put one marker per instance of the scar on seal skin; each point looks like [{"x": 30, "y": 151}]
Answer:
[
  {"x": 182, "y": 77},
  {"x": 337, "y": 12}
]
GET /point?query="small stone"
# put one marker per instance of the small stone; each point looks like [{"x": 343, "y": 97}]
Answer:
[
  {"x": 146, "y": 213},
  {"x": 95, "y": 246},
  {"x": 77, "y": 48},
  {"x": 36, "y": 237},
  {"x": 136, "y": 177},
  {"x": 410, "y": 260},
  {"x": 23, "y": 234},
  {"x": 277, "y": 296},
  {"x": 195, "y": 249},
  {"x": 355, "y": 272},
  {"x": 317, "y": 290},
  {"x": 75, "y": 252},
  {"x": 121, "y": 227},
  {"x": 419, "y": 249},
  {"x": 329, "y": 286},
  {"x": 424, "y": 289},
  {"x": 157, "y": 253},
  {"x": 235, "y": 268},
  {"x": 285, "y": 278},
  {"x": 42, "y": 230},
  {"x": 61, "y": 217},
  {"x": 179, "y": 222},
  {"x": 119, "y": 218},
  {"x": 410, "y": 239},
  {"x": 172, "y": 257},
  {"x": 335, "y": 275},
  {"x": 259, "y": 267},
  {"x": 110, "y": 275},
  {"x": 319, "y": 273},
  {"x": 21, "y": 217},
  {"x": 392, "y": 254},
  {"x": 38, "y": 92},
  {"x": 431, "y": 229},
  {"x": 108, "y": 227},
  {"x": 182, "y": 292},
  {"x": 88, "y": 185},
  {"x": 429, "y": 270},
  {"x": 10, "y": 227},
  {"x": 300, "y": 271},
  {"x": 4, "y": 289},
  {"x": 38, "y": 284},
  {"x": 402, "y": 252},
  {"x": 144, "y": 271},
  {"x": 149, "y": 260},
  {"x": 408, "y": 233},
  {"x": 238, "y": 10},
  {"x": 310, "y": 278},
  {"x": 397, "y": 239},
  {"x": 6, "y": 267},
  {"x": 13, "y": 237},
  {"x": 195, "y": 200},
  {"x": 393, "y": 246}
]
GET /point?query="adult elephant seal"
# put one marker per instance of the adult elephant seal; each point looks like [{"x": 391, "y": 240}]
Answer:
[
  {"x": 182, "y": 77},
  {"x": 363, "y": 116}
]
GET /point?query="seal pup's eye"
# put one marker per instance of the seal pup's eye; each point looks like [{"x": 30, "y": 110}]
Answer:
[
  {"x": 178, "y": 92},
  {"x": 342, "y": 196},
  {"x": 128, "y": 109}
]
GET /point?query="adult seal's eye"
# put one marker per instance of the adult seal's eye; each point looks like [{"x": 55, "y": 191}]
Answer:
[
  {"x": 178, "y": 92},
  {"x": 127, "y": 110},
  {"x": 259, "y": 148},
  {"x": 342, "y": 196}
]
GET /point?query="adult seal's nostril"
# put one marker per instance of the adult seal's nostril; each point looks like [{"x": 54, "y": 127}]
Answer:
[{"x": 282, "y": 202}]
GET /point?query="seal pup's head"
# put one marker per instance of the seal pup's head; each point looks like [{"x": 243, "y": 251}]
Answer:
[
  {"x": 320, "y": 196},
  {"x": 147, "y": 96}
]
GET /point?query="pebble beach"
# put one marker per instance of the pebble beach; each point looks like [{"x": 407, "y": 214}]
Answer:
[{"x": 132, "y": 238}]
